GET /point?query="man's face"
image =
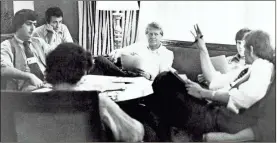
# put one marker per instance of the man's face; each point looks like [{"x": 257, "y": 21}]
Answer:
[
  {"x": 56, "y": 22},
  {"x": 26, "y": 30},
  {"x": 240, "y": 47},
  {"x": 154, "y": 37}
]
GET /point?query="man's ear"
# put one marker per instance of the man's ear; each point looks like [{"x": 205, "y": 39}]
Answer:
[{"x": 251, "y": 51}]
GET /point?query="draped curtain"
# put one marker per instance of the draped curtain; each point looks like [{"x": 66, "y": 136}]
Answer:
[{"x": 96, "y": 28}]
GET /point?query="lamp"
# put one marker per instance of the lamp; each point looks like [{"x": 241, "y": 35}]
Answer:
[{"x": 117, "y": 6}]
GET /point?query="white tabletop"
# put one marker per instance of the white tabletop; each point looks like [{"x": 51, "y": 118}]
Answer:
[{"x": 118, "y": 88}]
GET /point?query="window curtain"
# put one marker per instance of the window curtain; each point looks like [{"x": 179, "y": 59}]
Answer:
[{"x": 96, "y": 28}]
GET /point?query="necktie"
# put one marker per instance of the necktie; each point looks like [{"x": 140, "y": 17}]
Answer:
[
  {"x": 32, "y": 61},
  {"x": 239, "y": 79}
]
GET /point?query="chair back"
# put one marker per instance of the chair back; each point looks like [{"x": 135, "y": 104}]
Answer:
[{"x": 55, "y": 116}]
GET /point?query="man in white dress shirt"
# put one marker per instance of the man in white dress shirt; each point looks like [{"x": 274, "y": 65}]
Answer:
[
  {"x": 53, "y": 32},
  {"x": 235, "y": 96},
  {"x": 153, "y": 57}
]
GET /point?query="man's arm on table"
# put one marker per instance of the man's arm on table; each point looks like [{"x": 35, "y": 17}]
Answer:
[{"x": 8, "y": 70}]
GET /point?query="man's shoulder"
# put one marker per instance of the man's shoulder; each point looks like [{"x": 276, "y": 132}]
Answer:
[
  {"x": 37, "y": 40},
  {"x": 6, "y": 43},
  {"x": 64, "y": 27},
  {"x": 166, "y": 50},
  {"x": 40, "y": 28}
]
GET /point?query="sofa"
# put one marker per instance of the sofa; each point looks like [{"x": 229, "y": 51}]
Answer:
[
  {"x": 186, "y": 57},
  {"x": 187, "y": 61}
]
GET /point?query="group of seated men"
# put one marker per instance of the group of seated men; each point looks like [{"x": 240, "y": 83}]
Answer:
[{"x": 231, "y": 104}]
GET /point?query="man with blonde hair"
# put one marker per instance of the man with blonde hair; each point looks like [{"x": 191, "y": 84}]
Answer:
[{"x": 153, "y": 57}]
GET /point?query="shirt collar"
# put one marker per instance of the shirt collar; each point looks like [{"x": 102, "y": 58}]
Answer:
[
  {"x": 156, "y": 50},
  {"x": 19, "y": 40},
  {"x": 237, "y": 58}
]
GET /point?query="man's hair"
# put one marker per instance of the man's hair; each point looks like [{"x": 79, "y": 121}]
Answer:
[
  {"x": 67, "y": 64},
  {"x": 53, "y": 11},
  {"x": 154, "y": 25},
  {"x": 241, "y": 33},
  {"x": 260, "y": 41},
  {"x": 22, "y": 16}
]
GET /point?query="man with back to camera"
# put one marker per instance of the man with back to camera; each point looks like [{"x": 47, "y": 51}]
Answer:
[
  {"x": 23, "y": 56},
  {"x": 54, "y": 32}
]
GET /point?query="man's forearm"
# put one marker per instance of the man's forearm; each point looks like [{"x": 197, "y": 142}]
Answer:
[
  {"x": 207, "y": 66},
  {"x": 244, "y": 135},
  {"x": 220, "y": 96},
  {"x": 11, "y": 72}
]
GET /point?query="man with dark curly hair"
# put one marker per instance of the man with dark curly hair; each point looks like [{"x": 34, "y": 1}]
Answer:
[{"x": 65, "y": 67}]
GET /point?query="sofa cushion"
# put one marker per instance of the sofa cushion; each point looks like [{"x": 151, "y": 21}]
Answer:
[{"x": 187, "y": 60}]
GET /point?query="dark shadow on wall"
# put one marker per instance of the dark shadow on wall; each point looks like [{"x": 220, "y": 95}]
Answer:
[{"x": 6, "y": 16}]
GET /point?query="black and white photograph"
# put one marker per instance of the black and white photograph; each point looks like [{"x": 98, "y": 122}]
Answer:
[{"x": 138, "y": 71}]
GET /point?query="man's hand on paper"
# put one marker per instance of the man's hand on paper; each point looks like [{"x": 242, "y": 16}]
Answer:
[{"x": 193, "y": 89}]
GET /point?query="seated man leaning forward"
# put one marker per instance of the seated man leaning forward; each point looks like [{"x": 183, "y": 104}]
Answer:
[
  {"x": 236, "y": 61},
  {"x": 54, "y": 32},
  {"x": 23, "y": 56},
  {"x": 233, "y": 108},
  {"x": 65, "y": 67},
  {"x": 147, "y": 59}
]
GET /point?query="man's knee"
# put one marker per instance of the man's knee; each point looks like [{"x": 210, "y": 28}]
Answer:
[{"x": 161, "y": 80}]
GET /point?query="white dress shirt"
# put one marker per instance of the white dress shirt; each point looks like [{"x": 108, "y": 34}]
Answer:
[
  {"x": 60, "y": 36},
  {"x": 248, "y": 92},
  {"x": 154, "y": 61}
]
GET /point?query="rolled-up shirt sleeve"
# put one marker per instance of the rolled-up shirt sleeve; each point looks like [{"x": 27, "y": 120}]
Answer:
[
  {"x": 6, "y": 54},
  {"x": 252, "y": 90}
]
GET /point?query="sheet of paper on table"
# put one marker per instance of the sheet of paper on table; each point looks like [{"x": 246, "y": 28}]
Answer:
[{"x": 118, "y": 88}]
